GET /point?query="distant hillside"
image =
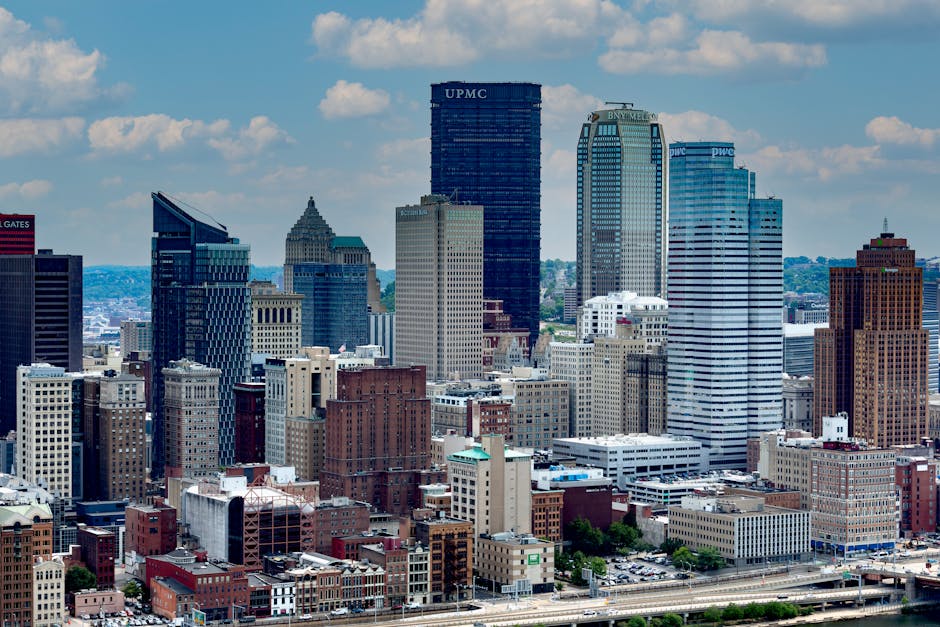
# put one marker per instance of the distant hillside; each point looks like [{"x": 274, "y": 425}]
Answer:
[{"x": 102, "y": 283}]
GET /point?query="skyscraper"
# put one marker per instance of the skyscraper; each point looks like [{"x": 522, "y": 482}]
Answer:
[
  {"x": 40, "y": 319},
  {"x": 439, "y": 287},
  {"x": 44, "y": 427},
  {"x": 191, "y": 401},
  {"x": 201, "y": 312},
  {"x": 725, "y": 288},
  {"x": 334, "y": 307},
  {"x": 872, "y": 360},
  {"x": 485, "y": 150},
  {"x": 378, "y": 438},
  {"x": 17, "y": 234},
  {"x": 622, "y": 204}
]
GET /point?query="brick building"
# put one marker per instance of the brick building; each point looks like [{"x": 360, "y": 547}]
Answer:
[
  {"x": 915, "y": 478},
  {"x": 98, "y": 550},
  {"x": 179, "y": 583},
  {"x": 336, "y": 518},
  {"x": 378, "y": 437},
  {"x": 450, "y": 544},
  {"x": 546, "y": 514},
  {"x": 25, "y": 533},
  {"x": 249, "y": 422},
  {"x": 150, "y": 529}
]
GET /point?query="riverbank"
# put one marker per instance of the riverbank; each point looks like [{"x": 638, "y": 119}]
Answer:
[{"x": 847, "y": 614}]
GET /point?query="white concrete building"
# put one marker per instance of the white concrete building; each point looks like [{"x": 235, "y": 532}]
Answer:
[
  {"x": 572, "y": 362},
  {"x": 44, "y": 427},
  {"x": 598, "y": 316},
  {"x": 522, "y": 561},
  {"x": 192, "y": 401},
  {"x": 626, "y": 458},
  {"x": 491, "y": 486},
  {"x": 275, "y": 320},
  {"x": 48, "y": 592}
]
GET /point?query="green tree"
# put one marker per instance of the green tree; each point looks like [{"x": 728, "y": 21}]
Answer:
[
  {"x": 388, "y": 296},
  {"x": 773, "y": 610},
  {"x": 671, "y": 620},
  {"x": 635, "y": 621},
  {"x": 585, "y": 537},
  {"x": 132, "y": 590},
  {"x": 598, "y": 565},
  {"x": 669, "y": 546},
  {"x": 709, "y": 558},
  {"x": 563, "y": 561},
  {"x": 683, "y": 558},
  {"x": 790, "y": 610},
  {"x": 732, "y": 612},
  {"x": 79, "y": 578},
  {"x": 622, "y": 535},
  {"x": 712, "y": 615},
  {"x": 753, "y": 611}
]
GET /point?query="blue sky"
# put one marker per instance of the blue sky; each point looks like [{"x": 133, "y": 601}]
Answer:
[{"x": 244, "y": 109}]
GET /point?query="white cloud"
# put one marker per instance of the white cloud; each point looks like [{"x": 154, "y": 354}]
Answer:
[
  {"x": 716, "y": 53},
  {"x": 347, "y": 100},
  {"x": 893, "y": 130},
  {"x": 163, "y": 133},
  {"x": 26, "y": 135},
  {"x": 136, "y": 200},
  {"x": 128, "y": 134},
  {"x": 564, "y": 105},
  {"x": 449, "y": 33},
  {"x": 700, "y": 126},
  {"x": 260, "y": 134},
  {"x": 823, "y": 164},
  {"x": 111, "y": 181},
  {"x": 40, "y": 74},
  {"x": 412, "y": 149},
  {"x": 29, "y": 190},
  {"x": 821, "y": 19},
  {"x": 286, "y": 175}
]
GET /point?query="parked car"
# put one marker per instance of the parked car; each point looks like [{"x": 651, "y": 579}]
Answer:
[{"x": 340, "y": 611}]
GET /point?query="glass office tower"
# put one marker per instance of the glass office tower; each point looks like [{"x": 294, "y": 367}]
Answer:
[
  {"x": 622, "y": 204},
  {"x": 335, "y": 304},
  {"x": 201, "y": 311},
  {"x": 485, "y": 150},
  {"x": 725, "y": 289}
]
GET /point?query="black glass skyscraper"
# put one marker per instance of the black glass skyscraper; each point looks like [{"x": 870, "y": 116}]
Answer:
[
  {"x": 485, "y": 150},
  {"x": 40, "y": 319},
  {"x": 201, "y": 311}
]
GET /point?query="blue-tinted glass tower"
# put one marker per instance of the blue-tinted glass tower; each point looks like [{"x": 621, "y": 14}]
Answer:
[
  {"x": 931, "y": 319},
  {"x": 201, "y": 311},
  {"x": 622, "y": 204},
  {"x": 725, "y": 289},
  {"x": 485, "y": 149},
  {"x": 335, "y": 304}
]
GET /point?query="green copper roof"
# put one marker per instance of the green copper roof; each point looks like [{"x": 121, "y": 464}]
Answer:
[
  {"x": 24, "y": 514},
  {"x": 472, "y": 455},
  {"x": 346, "y": 241}
]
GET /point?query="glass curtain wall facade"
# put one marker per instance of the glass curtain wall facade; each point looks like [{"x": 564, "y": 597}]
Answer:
[
  {"x": 486, "y": 150},
  {"x": 622, "y": 205},
  {"x": 334, "y": 309},
  {"x": 725, "y": 289},
  {"x": 201, "y": 311}
]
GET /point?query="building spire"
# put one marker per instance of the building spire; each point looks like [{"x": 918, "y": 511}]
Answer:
[{"x": 884, "y": 225}]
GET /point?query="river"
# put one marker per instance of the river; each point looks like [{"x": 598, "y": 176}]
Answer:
[{"x": 915, "y": 620}]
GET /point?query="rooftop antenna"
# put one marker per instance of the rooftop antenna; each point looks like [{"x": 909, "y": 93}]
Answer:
[
  {"x": 623, "y": 105},
  {"x": 884, "y": 226}
]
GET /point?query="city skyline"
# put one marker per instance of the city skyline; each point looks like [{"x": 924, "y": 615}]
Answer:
[{"x": 333, "y": 103}]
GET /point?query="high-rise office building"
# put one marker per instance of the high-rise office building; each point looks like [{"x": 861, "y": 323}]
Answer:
[
  {"x": 312, "y": 240},
  {"x": 439, "y": 287},
  {"x": 334, "y": 309},
  {"x": 622, "y": 204},
  {"x": 17, "y": 234},
  {"x": 485, "y": 150},
  {"x": 872, "y": 360},
  {"x": 275, "y": 320},
  {"x": 249, "y": 422},
  {"x": 44, "y": 427},
  {"x": 40, "y": 319},
  {"x": 725, "y": 288},
  {"x": 378, "y": 437},
  {"x": 191, "y": 401},
  {"x": 136, "y": 337},
  {"x": 574, "y": 362},
  {"x": 201, "y": 312},
  {"x": 114, "y": 436},
  {"x": 382, "y": 333},
  {"x": 931, "y": 318}
]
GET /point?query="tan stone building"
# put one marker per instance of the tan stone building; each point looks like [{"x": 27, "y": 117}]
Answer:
[
  {"x": 539, "y": 412},
  {"x": 573, "y": 362},
  {"x": 439, "y": 287},
  {"x": 743, "y": 529},
  {"x": 115, "y": 441},
  {"x": 304, "y": 445},
  {"x": 191, "y": 400},
  {"x": 786, "y": 461},
  {"x": 44, "y": 427},
  {"x": 522, "y": 561},
  {"x": 275, "y": 320},
  {"x": 48, "y": 591}
]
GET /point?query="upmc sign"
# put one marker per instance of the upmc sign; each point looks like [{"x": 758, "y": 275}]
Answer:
[{"x": 465, "y": 93}]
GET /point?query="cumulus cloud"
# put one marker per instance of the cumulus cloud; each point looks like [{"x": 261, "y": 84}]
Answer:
[
  {"x": 823, "y": 20},
  {"x": 414, "y": 149},
  {"x": 260, "y": 134},
  {"x": 564, "y": 105},
  {"x": 163, "y": 133},
  {"x": 718, "y": 53},
  {"x": 41, "y": 74},
  {"x": 823, "y": 164},
  {"x": 346, "y": 100},
  {"x": 29, "y": 190},
  {"x": 893, "y": 130},
  {"x": 700, "y": 126},
  {"x": 111, "y": 181},
  {"x": 127, "y": 134},
  {"x": 448, "y": 33},
  {"x": 27, "y": 135},
  {"x": 286, "y": 175}
]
